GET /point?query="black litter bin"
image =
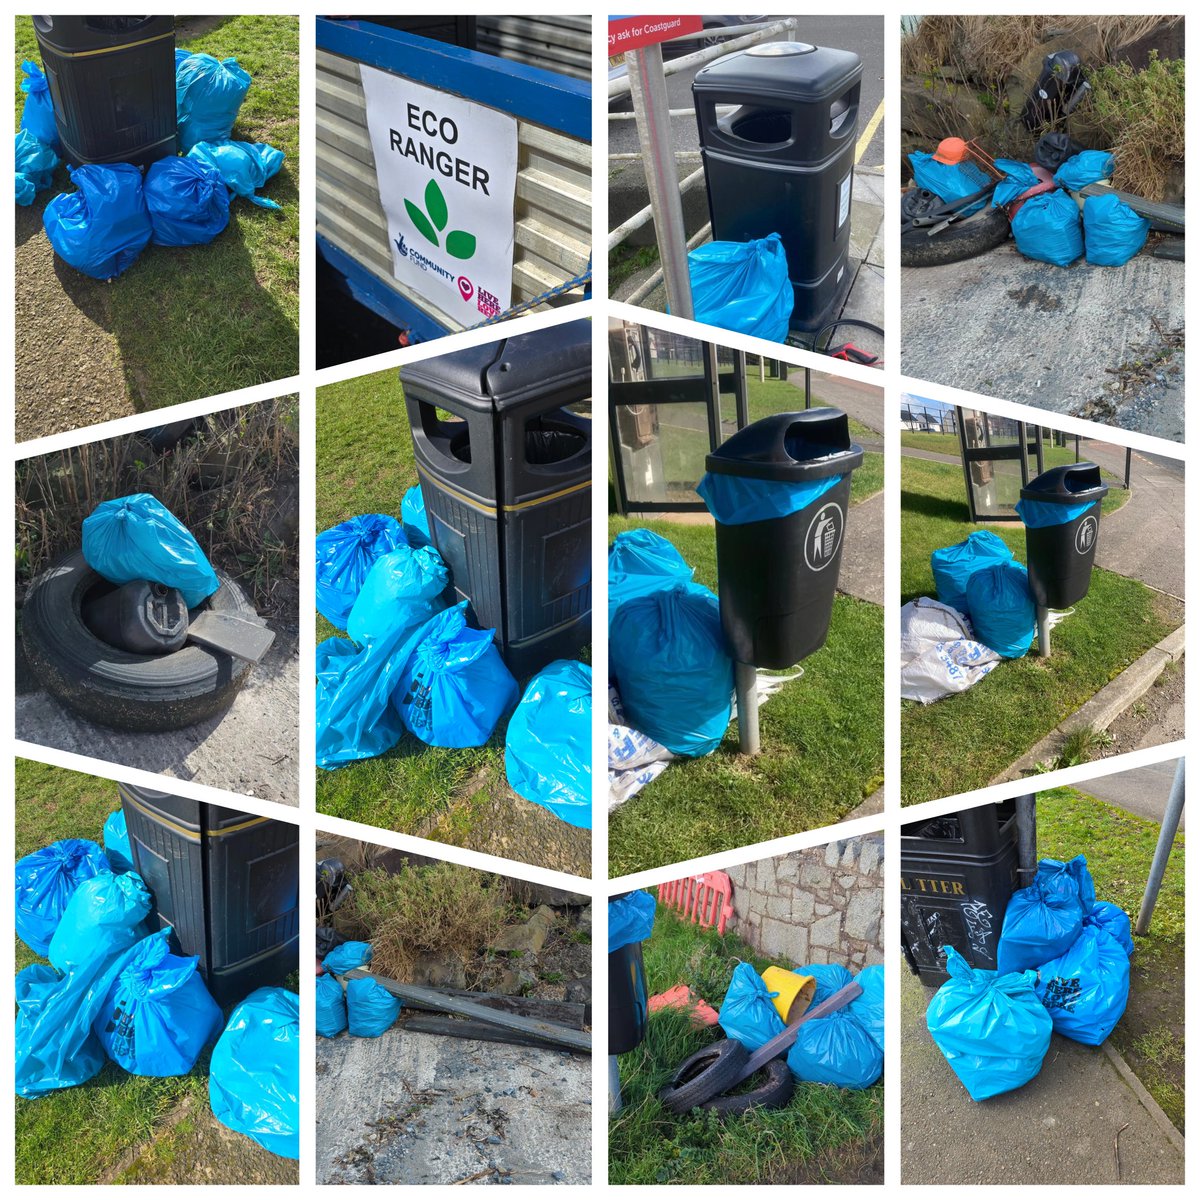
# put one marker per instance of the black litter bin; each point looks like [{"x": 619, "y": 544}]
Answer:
[
  {"x": 506, "y": 478},
  {"x": 1060, "y": 555},
  {"x": 112, "y": 80},
  {"x": 957, "y": 873},
  {"x": 227, "y": 882},
  {"x": 627, "y": 999},
  {"x": 777, "y": 577},
  {"x": 783, "y": 161}
]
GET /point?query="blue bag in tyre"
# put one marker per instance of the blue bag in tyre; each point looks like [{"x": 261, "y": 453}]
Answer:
[
  {"x": 641, "y": 562},
  {"x": 1002, "y": 610},
  {"x": 187, "y": 200},
  {"x": 103, "y": 227},
  {"x": 403, "y": 589},
  {"x": 208, "y": 95},
  {"x": 46, "y": 880},
  {"x": 837, "y": 1050},
  {"x": 37, "y": 112},
  {"x": 747, "y": 1013},
  {"x": 1112, "y": 232},
  {"x": 630, "y": 919},
  {"x": 954, "y": 565},
  {"x": 1114, "y": 920},
  {"x": 116, "y": 843},
  {"x": 345, "y": 555},
  {"x": 35, "y": 163},
  {"x": 1086, "y": 989},
  {"x": 1048, "y": 228},
  {"x": 547, "y": 745},
  {"x": 371, "y": 1008},
  {"x": 414, "y": 518},
  {"x": 347, "y": 957},
  {"x": 244, "y": 166},
  {"x": 743, "y": 287},
  {"x": 254, "y": 1073},
  {"x": 331, "y": 1006},
  {"x": 136, "y": 537},
  {"x": 868, "y": 1008},
  {"x": 1043, "y": 920},
  {"x": 668, "y": 659},
  {"x": 990, "y": 1026},
  {"x": 158, "y": 1016},
  {"x": 105, "y": 916}
]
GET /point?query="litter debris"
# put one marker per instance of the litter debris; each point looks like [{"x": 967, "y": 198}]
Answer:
[{"x": 939, "y": 655}]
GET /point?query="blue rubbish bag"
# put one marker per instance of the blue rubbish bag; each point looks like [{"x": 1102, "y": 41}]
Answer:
[
  {"x": 735, "y": 500},
  {"x": 1039, "y": 514},
  {"x": 208, "y": 95},
  {"x": 105, "y": 916},
  {"x": 157, "y": 1016},
  {"x": 837, "y": 1050},
  {"x": 37, "y": 113},
  {"x": 954, "y": 565},
  {"x": 371, "y": 1007},
  {"x": 244, "y": 166},
  {"x": 331, "y": 1006},
  {"x": 404, "y": 588},
  {"x": 1114, "y": 920},
  {"x": 1048, "y": 229},
  {"x": 548, "y": 742},
  {"x": 455, "y": 688},
  {"x": 1043, "y": 920},
  {"x": 254, "y": 1074},
  {"x": 640, "y": 562},
  {"x": 1002, "y": 610},
  {"x": 868, "y": 1008},
  {"x": 136, "y": 537},
  {"x": 950, "y": 181},
  {"x": 1112, "y": 232},
  {"x": 990, "y": 1026},
  {"x": 180, "y": 55},
  {"x": 345, "y": 555},
  {"x": 116, "y": 843},
  {"x": 1086, "y": 989},
  {"x": 829, "y": 978},
  {"x": 630, "y": 919},
  {"x": 35, "y": 162},
  {"x": 1088, "y": 166},
  {"x": 45, "y": 882},
  {"x": 187, "y": 200},
  {"x": 746, "y": 1013},
  {"x": 743, "y": 287},
  {"x": 347, "y": 957},
  {"x": 103, "y": 227},
  {"x": 675, "y": 679},
  {"x": 414, "y": 518},
  {"x": 1018, "y": 177}
]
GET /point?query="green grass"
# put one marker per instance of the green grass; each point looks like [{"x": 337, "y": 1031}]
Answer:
[
  {"x": 200, "y": 320},
  {"x": 648, "y": 1145},
  {"x": 822, "y": 745},
  {"x": 964, "y": 741}
]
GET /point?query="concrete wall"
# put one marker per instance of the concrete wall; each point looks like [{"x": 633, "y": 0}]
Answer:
[{"x": 815, "y": 906}]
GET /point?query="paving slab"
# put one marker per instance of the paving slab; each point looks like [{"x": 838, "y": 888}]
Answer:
[
  {"x": 861, "y": 572},
  {"x": 1142, "y": 791}
]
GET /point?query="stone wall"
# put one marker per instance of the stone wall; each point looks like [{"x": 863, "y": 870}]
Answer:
[{"x": 819, "y": 905}]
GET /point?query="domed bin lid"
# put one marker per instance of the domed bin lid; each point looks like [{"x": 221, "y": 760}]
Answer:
[
  {"x": 1076, "y": 483},
  {"x": 782, "y": 70},
  {"x": 813, "y": 444}
]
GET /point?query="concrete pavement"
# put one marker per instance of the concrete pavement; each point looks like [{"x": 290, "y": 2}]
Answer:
[{"x": 1142, "y": 791}]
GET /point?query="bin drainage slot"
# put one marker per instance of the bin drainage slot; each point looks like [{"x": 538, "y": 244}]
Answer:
[
  {"x": 766, "y": 126},
  {"x": 547, "y": 442}
]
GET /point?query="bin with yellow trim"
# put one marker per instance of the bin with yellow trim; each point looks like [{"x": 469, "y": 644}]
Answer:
[
  {"x": 227, "y": 882},
  {"x": 504, "y": 459}
]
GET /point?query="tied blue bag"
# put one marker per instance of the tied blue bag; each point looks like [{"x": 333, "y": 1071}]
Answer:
[
  {"x": 414, "y": 518},
  {"x": 1002, "y": 609},
  {"x": 548, "y": 742},
  {"x": 46, "y": 880},
  {"x": 371, "y": 1007},
  {"x": 837, "y": 1050},
  {"x": 667, "y": 656},
  {"x": 1019, "y": 177},
  {"x": 136, "y": 537},
  {"x": 116, "y": 843},
  {"x": 747, "y": 1014},
  {"x": 254, "y": 1074},
  {"x": 736, "y": 500},
  {"x": 347, "y": 957},
  {"x": 1048, "y": 229},
  {"x": 456, "y": 687},
  {"x": 331, "y": 1006},
  {"x": 1086, "y": 989},
  {"x": 950, "y": 181},
  {"x": 640, "y": 562},
  {"x": 157, "y": 1016},
  {"x": 208, "y": 95},
  {"x": 829, "y": 978},
  {"x": 1043, "y": 920},
  {"x": 743, "y": 287},
  {"x": 954, "y": 565},
  {"x": 244, "y": 166},
  {"x": 1114, "y": 921},
  {"x": 867, "y": 1009},
  {"x": 35, "y": 163},
  {"x": 630, "y": 919},
  {"x": 404, "y": 588},
  {"x": 345, "y": 555},
  {"x": 1088, "y": 166},
  {"x": 105, "y": 916},
  {"x": 1112, "y": 232},
  {"x": 103, "y": 227},
  {"x": 187, "y": 200},
  {"x": 990, "y": 1026},
  {"x": 37, "y": 113}
]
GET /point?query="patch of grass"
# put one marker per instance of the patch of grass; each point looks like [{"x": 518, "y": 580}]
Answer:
[
  {"x": 625, "y": 261},
  {"x": 964, "y": 741},
  {"x": 822, "y": 745},
  {"x": 1079, "y": 746},
  {"x": 648, "y": 1145}
]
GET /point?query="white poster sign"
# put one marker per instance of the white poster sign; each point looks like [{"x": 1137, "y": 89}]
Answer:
[{"x": 447, "y": 171}]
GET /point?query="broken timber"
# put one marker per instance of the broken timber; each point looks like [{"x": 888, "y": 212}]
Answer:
[{"x": 475, "y": 1031}]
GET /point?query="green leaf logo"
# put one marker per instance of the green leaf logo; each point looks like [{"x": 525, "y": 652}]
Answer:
[
  {"x": 459, "y": 243},
  {"x": 435, "y": 204},
  {"x": 421, "y": 221}
]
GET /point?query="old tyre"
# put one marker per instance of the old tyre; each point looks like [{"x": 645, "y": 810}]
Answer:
[
  {"x": 148, "y": 693},
  {"x": 977, "y": 234},
  {"x": 775, "y": 1087},
  {"x": 706, "y": 1074}
]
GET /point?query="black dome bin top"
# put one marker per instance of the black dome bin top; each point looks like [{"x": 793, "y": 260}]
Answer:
[
  {"x": 793, "y": 71},
  {"x": 1076, "y": 483},
  {"x": 790, "y": 447}
]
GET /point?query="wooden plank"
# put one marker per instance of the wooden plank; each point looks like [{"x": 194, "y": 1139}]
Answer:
[
  {"x": 474, "y": 1030},
  {"x": 552, "y": 195},
  {"x": 550, "y": 141},
  {"x": 562, "y": 1012}
]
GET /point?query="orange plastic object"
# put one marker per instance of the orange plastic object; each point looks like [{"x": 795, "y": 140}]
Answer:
[
  {"x": 682, "y": 996},
  {"x": 705, "y": 900},
  {"x": 950, "y": 150}
]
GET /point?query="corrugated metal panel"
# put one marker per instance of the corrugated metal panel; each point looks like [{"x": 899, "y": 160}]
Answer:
[
  {"x": 553, "y": 203},
  {"x": 562, "y": 44}
]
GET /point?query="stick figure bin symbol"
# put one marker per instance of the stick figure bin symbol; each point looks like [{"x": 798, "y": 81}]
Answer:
[
  {"x": 1085, "y": 535},
  {"x": 824, "y": 537}
]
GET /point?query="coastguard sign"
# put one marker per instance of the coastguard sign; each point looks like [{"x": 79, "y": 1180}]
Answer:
[{"x": 447, "y": 174}]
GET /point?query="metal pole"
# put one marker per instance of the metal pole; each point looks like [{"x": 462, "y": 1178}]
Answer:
[
  {"x": 807, "y": 387},
  {"x": 614, "y": 1085},
  {"x": 1026, "y": 836},
  {"x": 745, "y": 679},
  {"x": 1128, "y": 464},
  {"x": 1043, "y": 630},
  {"x": 648, "y": 87},
  {"x": 1166, "y": 838}
]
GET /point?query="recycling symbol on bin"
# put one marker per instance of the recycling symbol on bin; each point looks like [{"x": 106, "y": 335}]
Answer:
[
  {"x": 1085, "y": 535},
  {"x": 824, "y": 536}
]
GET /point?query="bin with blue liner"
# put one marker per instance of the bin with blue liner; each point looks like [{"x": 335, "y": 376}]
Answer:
[
  {"x": 1061, "y": 512},
  {"x": 112, "y": 80},
  {"x": 783, "y": 161},
  {"x": 505, "y": 468},
  {"x": 780, "y": 490}
]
